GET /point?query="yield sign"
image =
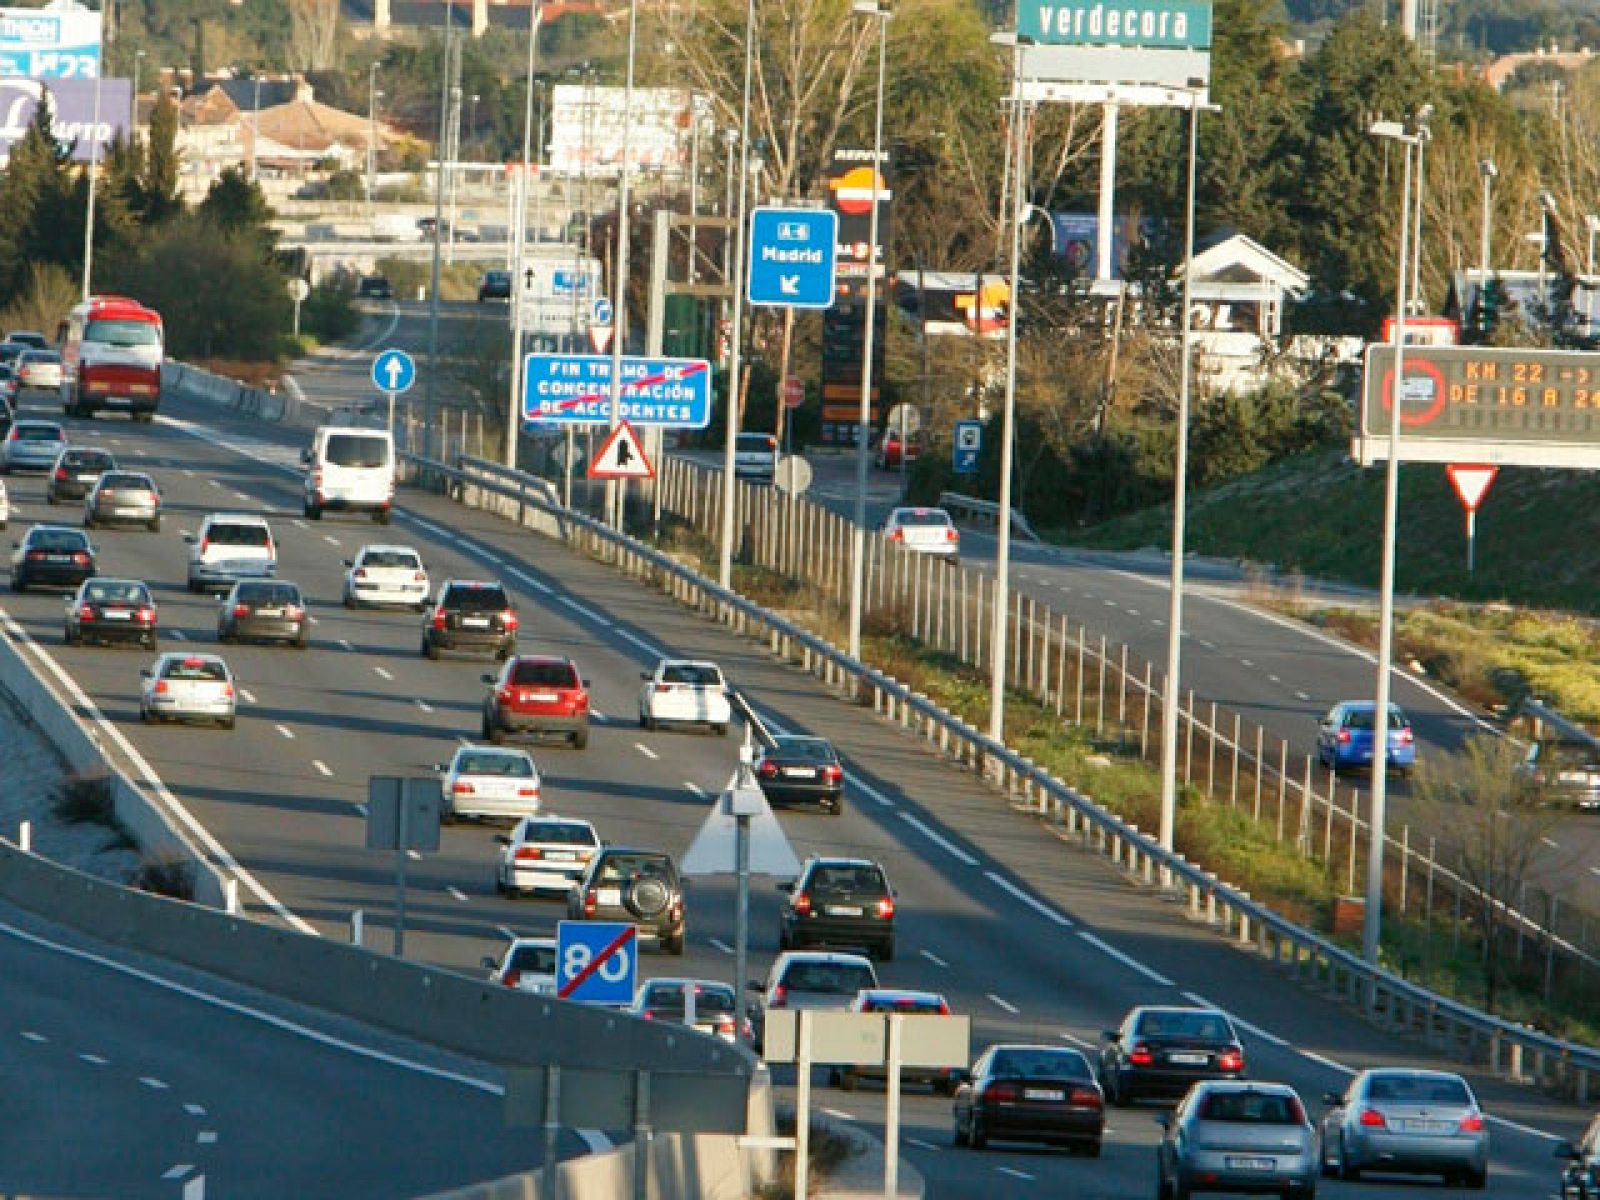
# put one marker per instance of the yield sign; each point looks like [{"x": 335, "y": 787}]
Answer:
[
  {"x": 1471, "y": 483},
  {"x": 621, "y": 457}
]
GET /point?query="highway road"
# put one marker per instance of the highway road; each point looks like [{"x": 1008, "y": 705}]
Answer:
[
  {"x": 1035, "y": 940},
  {"x": 130, "y": 1077}
]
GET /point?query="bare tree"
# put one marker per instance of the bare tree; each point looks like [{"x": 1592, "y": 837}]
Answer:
[{"x": 313, "y": 34}]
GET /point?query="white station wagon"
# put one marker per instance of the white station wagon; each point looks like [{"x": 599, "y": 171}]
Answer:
[{"x": 683, "y": 691}]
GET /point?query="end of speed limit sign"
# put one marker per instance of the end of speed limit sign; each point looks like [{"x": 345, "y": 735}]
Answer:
[{"x": 596, "y": 961}]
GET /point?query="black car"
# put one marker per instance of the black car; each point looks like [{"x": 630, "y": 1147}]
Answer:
[
  {"x": 1159, "y": 1052},
  {"x": 76, "y": 472},
  {"x": 264, "y": 610},
  {"x": 1580, "y": 1179},
  {"x": 495, "y": 285},
  {"x": 112, "y": 610},
  {"x": 374, "y": 287},
  {"x": 52, "y": 555},
  {"x": 1030, "y": 1094},
  {"x": 470, "y": 615},
  {"x": 7, "y": 415},
  {"x": 801, "y": 770},
  {"x": 641, "y": 887},
  {"x": 839, "y": 902}
]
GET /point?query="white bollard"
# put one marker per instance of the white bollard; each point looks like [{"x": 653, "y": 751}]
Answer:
[
  {"x": 25, "y": 837},
  {"x": 358, "y": 921},
  {"x": 230, "y": 893}
]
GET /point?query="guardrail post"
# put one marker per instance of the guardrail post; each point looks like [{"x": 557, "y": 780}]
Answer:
[
  {"x": 25, "y": 837},
  {"x": 230, "y": 896},
  {"x": 1211, "y": 899},
  {"x": 1100, "y": 701},
  {"x": 358, "y": 921},
  {"x": 1144, "y": 716}
]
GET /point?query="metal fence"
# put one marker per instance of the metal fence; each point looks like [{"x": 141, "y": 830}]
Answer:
[{"x": 1454, "y": 1028}]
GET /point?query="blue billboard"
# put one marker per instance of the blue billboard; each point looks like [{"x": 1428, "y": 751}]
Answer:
[
  {"x": 49, "y": 43},
  {"x": 576, "y": 389}
]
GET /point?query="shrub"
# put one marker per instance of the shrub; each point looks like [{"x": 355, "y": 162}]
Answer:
[
  {"x": 85, "y": 799},
  {"x": 164, "y": 875}
]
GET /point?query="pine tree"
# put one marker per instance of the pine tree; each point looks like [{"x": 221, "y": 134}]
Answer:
[
  {"x": 160, "y": 177},
  {"x": 36, "y": 209}
]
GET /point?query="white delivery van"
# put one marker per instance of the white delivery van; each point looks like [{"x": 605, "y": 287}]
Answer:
[{"x": 349, "y": 470}]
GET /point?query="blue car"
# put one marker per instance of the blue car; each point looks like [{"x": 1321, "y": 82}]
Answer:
[{"x": 1344, "y": 739}]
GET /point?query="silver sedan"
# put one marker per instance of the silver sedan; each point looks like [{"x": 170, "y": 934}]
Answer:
[
  {"x": 1409, "y": 1122},
  {"x": 1236, "y": 1135},
  {"x": 187, "y": 687},
  {"x": 120, "y": 497}
]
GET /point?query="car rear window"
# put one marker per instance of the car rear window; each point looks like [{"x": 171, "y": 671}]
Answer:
[
  {"x": 1361, "y": 718},
  {"x": 560, "y": 833},
  {"x": 57, "y": 540},
  {"x": 268, "y": 593},
  {"x": 619, "y": 868},
  {"x": 357, "y": 450},
  {"x": 668, "y": 998},
  {"x": 1251, "y": 1108},
  {"x": 110, "y": 591},
  {"x": 904, "y": 1004},
  {"x": 923, "y": 516},
  {"x": 1418, "y": 1089},
  {"x": 847, "y": 879},
  {"x": 804, "y": 750},
  {"x": 689, "y": 673},
  {"x": 541, "y": 674},
  {"x": 1209, "y": 1026},
  {"x": 37, "y": 433},
  {"x": 390, "y": 558},
  {"x": 476, "y": 599},
  {"x": 231, "y": 533},
  {"x": 118, "y": 479},
  {"x": 754, "y": 443},
  {"x": 204, "y": 669},
  {"x": 122, "y": 333},
  {"x": 34, "y": 358},
  {"x": 513, "y": 766},
  {"x": 832, "y": 978},
  {"x": 535, "y": 960},
  {"x": 1041, "y": 1064},
  {"x": 93, "y": 459}
]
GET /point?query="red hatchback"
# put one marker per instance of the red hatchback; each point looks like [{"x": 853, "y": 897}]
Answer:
[{"x": 534, "y": 694}]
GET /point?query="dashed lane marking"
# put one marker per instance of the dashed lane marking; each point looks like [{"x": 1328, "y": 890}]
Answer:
[
  {"x": 456, "y": 893},
  {"x": 424, "y": 706},
  {"x": 721, "y": 945},
  {"x": 1014, "y": 1173},
  {"x": 34, "y": 1037},
  {"x": 648, "y": 647},
  {"x": 195, "y": 1110},
  {"x": 286, "y": 731},
  {"x": 322, "y": 767},
  {"x": 1201, "y": 1001},
  {"x": 154, "y": 1084},
  {"x": 1127, "y": 960},
  {"x": 1033, "y": 902},
  {"x": 177, "y": 1172},
  {"x": 871, "y": 791},
  {"x": 537, "y": 585},
  {"x": 938, "y": 839},
  {"x": 645, "y": 750},
  {"x": 382, "y": 674},
  {"x": 95, "y": 1060},
  {"x": 206, "y": 1137},
  {"x": 934, "y": 958},
  {"x": 1004, "y": 1004}
]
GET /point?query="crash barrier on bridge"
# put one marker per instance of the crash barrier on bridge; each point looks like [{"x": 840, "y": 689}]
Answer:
[
  {"x": 1458, "y": 1030},
  {"x": 971, "y": 507},
  {"x": 191, "y": 382},
  {"x": 145, "y": 818},
  {"x": 493, "y": 1024}
]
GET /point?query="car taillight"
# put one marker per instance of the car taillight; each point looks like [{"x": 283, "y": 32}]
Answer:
[
  {"x": 420, "y": 577},
  {"x": 833, "y": 774},
  {"x": 1085, "y": 1098},
  {"x": 529, "y": 854},
  {"x": 61, "y": 472},
  {"x": 589, "y": 903},
  {"x": 769, "y": 769},
  {"x": 1231, "y": 1060},
  {"x": 944, "y": 1008},
  {"x": 81, "y": 559},
  {"x": 509, "y": 619},
  {"x": 780, "y": 996},
  {"x": 505, "y": 695},
  {"x": 527, "y": 791},
  {"x": 511, "y": 978},
  {"x": 161, "y": 687},
  {"x": 241, "y": 610},
  {"x": 725, "y": 1024},
  {"x": 36, "y": 555},
  {"x": 885, "y": 907},
  {"x": 86, "y": 613},
  {"x": 227, "y": 690},
  {"x": 359, "y": 573},
  {"x": 1472, "y": 1124},
  {"x": 1344, "y": 737},
  {"x": 663, "y": 687},
  {"x": 802, "y": 904},
  {"x": 676, "y": 910},
  {"x": 1296, "y": 1111},
  {"x": 1000, "y": 1093},
  {"x": 295, "y": 613},
  {"x": 950, "y": 535},
  {"x": 205, "y": 544},
  {"x": 1371, "y": 1118},
  {"x": 146, "y": 615},
  {"x": 461, "y": 788},
  {"x": 1140, "y": 1056},
  {"x": 1405, "y": 737},
  {"x": 271, "y": 550},
  {"x": 438, "y": 618},
  {"x": 897, "y": 535}
]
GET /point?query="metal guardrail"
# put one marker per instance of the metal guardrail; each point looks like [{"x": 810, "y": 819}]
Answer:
[
  {"x": 1506, "y": 1048},
  {"x": 957, "y": 505}
]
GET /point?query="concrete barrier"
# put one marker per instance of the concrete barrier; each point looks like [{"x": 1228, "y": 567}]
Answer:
[{"x": 268, "y": 404}]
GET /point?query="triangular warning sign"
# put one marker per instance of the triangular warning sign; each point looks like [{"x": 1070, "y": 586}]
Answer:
[
  {"x": 712, "y": 851},
  {"x": 1471, "y": 482},
  {"x": 622, "y": 457}
]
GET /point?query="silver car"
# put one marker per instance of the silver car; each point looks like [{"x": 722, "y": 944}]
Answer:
[
  {"x": 39, "y": 371},
  {"x": 120, "y": 497},
  {"x": 490, "y": 781},
  {"x": 32, "y": 446},
  {"x": 187, "y": 687},
  {"x": 1237, "y": 1136},
  {"x": 1409, "y": 1122}
]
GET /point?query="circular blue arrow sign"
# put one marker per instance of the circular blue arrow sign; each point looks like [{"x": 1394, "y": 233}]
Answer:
[{"x": 394, "y": 371}]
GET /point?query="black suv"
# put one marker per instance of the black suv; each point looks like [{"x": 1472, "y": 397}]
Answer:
[
  {"x": 839, "y": 902},
  {"x": 641, "y": 887},
  {"x": 495, "y": 285},
  {"x": 374, "y": 287},
  {"x": 76, "y": 472},
  {"x": 470, "y": 615},
  {"x": 1161, "y": 1051}
]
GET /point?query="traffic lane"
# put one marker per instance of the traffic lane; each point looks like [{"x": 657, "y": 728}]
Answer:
[{"x": 159, "y": 1052}]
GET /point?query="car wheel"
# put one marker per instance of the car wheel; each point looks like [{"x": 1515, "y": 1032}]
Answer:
[
  {"x": 1119, "y": 1097},
  {"x": 146, "y": 716},
  {"x": 978, "y": 1134},
  {"x": 223, "y": 636},
  {"x": 301, "y": 642},
  {"x": 785, "y": 943},
  {"x": 721, "y": 730},
  {"x": 885, "y": 952},
  {"x": 1347, "y": 1171},
  {"x": 155, "y": 525},
  {"x": 313, "y": 513},
  {"x": 88, "y": 521},
  {"x": 150, "y": 642},
  {"x": 580, "y": 739},
  {"x": 495, "y": 734},
  {"x": 349, "y": 600},
  {"x": 1091, "y": 1149},
  {"x": 71, "y": 636},
  {"x": 50, "y": 497},
  {"x": 1476, "y": 1180},
  {"x": 381, "y": 516},
  {"x": 18, "y": 583},
  {"x": 194, "y": 587},
  {"x": 228, "y": 722},
  {"x": 673, "y": 945},
  {"x": 958, "y": 1135},
  {"x": 645, "y": 722},
  {"x": 836, "y": 808},
  {"x": 430, "y": 649}
]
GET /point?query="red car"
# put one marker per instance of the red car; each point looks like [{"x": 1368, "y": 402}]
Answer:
[
  {"x": 534, "y": 694},
  {"x": 893, "y": 451}
]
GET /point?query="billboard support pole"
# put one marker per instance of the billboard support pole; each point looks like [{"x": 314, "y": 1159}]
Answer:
[
  {"x": 1104, "y": 246},
  {"x": 88, "y": 219}
]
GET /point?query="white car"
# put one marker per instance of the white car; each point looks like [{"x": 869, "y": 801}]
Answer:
[
  {"x": 386, "y": 575},
  {"x": 925, "y": 530},
  {"x": 545, "y": 853},
  {"x": 490, "y": 781},
  {"x": 755, "y": 456},
  {"x": 230, "y": 547},
  {"x": 5, "y": 506},
  {"x": 683, "y": 691},
  {"x": 715, "y": 1006},
  {"x": 187, "y": 687},
  {"x": 529, "y": 964}
]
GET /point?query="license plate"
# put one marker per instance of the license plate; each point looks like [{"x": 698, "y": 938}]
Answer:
[
  {"x": 560, "y": 856},
  {"x": 61, "y": 558},
  {"x": 844, "y": 910},
  {"x": 609, "y": 896},
  {"x": 130, "y": 512},
  {"x": 87, "y": 478},
  {"x": 1251, "y": 1164},
  {"x": 475, "y": 622},
  {"x": 269, "y": 612},
  {"x": 117, "y": 614},
  {"x": 1188, "y": 1060},
  {"x": 540, "y": 697},
  {"x": 799, "y": 773},
  {"x": 1417, "y": 1126},
  {"x": 1043, "y": 1094}
]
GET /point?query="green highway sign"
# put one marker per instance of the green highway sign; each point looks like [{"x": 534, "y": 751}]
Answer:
[{"x": 1144, "y": 24}]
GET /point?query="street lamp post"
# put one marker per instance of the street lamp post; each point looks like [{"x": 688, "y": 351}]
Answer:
[
  {"x": 1591, "y": 223},
  {"x": 438, "y": 221},
  {"x": 878, "y": 10},
  {"x": 88, "y": 216},
  {"x": 1417, "y": 299},
  {"x": 372, "y": 136},
  {"x": 1488, "y": 171},
  {"x": 519, "y": 230},
  {"x": 616, "y": 496},
  {"x": 1411, "y": 134}
]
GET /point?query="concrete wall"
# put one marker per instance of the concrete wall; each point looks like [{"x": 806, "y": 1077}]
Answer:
[{"x": 193, "y": 383}]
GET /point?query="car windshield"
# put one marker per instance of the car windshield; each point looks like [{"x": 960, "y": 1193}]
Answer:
[
  {"x": 37, "y": 433},
  {"x": 1361, "y": 718},
  {"x": 1251, "y": 1108},
  {"x": 267, "y": 594},
  {"x": 1208, "y": 1026},
  {"x": 208, "y": 670},
  {"x": 832, "y": 978},
  {"x": 691, "y": 673},
  {"x": 535, "y": 960},
  {"x": 754, "y": 443},
  {"x": 811, "y": 750},
  {"x": 119, "y": 480},
  {"x": 544, "y": 674},
  {"x": 621, "y": 868},
  {"x": 560, "y": 833},
  {"x": 501, "y": 277},
  {"x": 97, "y": 460},
  {"x": 923, "y": 517},
  {"x": 1040, "y": 1064},
  {"x": 122, "y": 333},
  {"x": 36, "y": 358},
  {"x": 668, "y": 998},
  {"x": 517, "y": 766},
  {"x": 390, "y": 558},
  {"x": 115, "y": 591},
  {"x": 847, "y": 879},
  {"x": 1418, "y": 1089},
  {"x": 57, "y": 540},
  {"x": 357, "y": 450},
  {"x": 477, "y": 599},
  {"x": 227, "y": 533}
]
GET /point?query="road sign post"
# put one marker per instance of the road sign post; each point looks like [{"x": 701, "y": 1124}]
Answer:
[
  {"x": 596, "y": 961},
  {"x": 402, "y": 816},
  {"x": 792, "y": 257},
  {"x": 1472, "y": 484}
]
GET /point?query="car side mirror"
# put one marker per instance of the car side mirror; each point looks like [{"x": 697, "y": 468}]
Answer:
[
  {"x": 188, "y": 537},
  {"x": 644, "y": 674},
  {"x": 1110, "y": 1035},
  {"x": 585, "y": 683},
  {"x": 754, "y": 985},
  {"x": 144, "y": 672},
  {"x": 1164, "y": 1120},
  {"x": 786, "y": 886},
  {"x": 441, "y": 767},
  {"x": 486, "y": 677},
  {"x": 305, "y": 456},
  {"x": 488, "y": 962},
  {"x": 349, "y": 562},
  {"x": 502, "y": 839}
]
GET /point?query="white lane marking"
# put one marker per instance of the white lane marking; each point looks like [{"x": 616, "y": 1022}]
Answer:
[
  {"x": 648, "y": 647},
  {"x": 695, "y": 788},
  {"x": 95, "y": 1060},
  {"x": 34, "y": 1037},
  {"x": 219, "y": 853},
  {"x": 188, "y": 473},
  {"x": 1302, "y": 696},
  {"x": 1199, "y": 1000},
  {"x": 456, "y": 893},
  {"x": 1527, "y": 1129},
  {"x": 1002, "y": 1003},
  {"x": 177, "y": 1172},
  {"x": 920, "y": 1144},
  {"x": 1065, "y": 588},
  {"x": 206, "y": 1137},
  {"x": 154, "y": 1084},
  {"x": 938, "y": 839},
  {"x": 645, "y": 750},
  {"x": 1133, "y": 612},
  {"x": 1081, "y": 1043},
  {"x": 934, "y": 958},
  {"x": 838, "y": 1114},
  {"x": 1127, "y": 960},
  {"x": 537, "y": 585},
  {"x": 1033, "y": 902},
  {"x": 1109, "y": 603},
  {"x": 344, "y": 644},
  {"x": 382, "y": 674},
  {"x": 1246, "y": 662},
  {"x": 1274, "y": 679},
  {"x": 179, "y": 634},
  {"x": 215, "y": 483},
  {"x": 1327, "y": 1062},
  {"x": 322, "y": 767},
  {"x": 1014, "y": 1173},
  {"x": 871, "y": 791},
  {"x": 195, "y": 1110},
  {"x": 240, "y": 496},
  {"x": 1595, "y": 870},
  {"x": 1208, "y": 645},
  {"x": 247, "y": 695},
  {"x": 424, "y": 706},
  {"x": 413, "y": 856},
  {"x": 721, "y": 945},
  {"x": 298, "y": 523},
  {"x": 487, "y": 557},
  {"x": 1157, "y": 621},
  {"x": 361, "y": 810},
  {"x": 579, "y": 606},
  {"x": 286, "y": 731},
  {"x": 330, "y": 539},
  {"x": 1548, "y": 842}
]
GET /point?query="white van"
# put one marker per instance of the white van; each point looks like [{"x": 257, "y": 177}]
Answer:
[{"x": 349, "y": 470}]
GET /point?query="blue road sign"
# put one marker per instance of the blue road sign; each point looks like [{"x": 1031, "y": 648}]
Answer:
[
  {"x": 600, "y": 313},
  {"x": 394, "y": 371},
  {"x": 576, "y": 389},
  {"x": 969, "y": 440},
  {"x": 792, "y": 254},
  {"x": 596, "y": 961}
]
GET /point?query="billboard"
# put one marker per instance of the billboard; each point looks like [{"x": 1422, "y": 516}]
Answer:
[
  {"x": 1141, "y": 24},
  {"x": 49, "y": 43},
  {"x": 852, "y": 180},
  {"x": 587, "y": 123},
  {"x": 1474, "y": 404},
  {"x": 72, "y": 111}
]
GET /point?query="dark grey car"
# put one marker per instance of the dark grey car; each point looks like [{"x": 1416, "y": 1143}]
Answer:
[
  {"x": 640, "y": 887},
  {"x": 123, "y": 498},
  {"x": 77, "y": 470},
  {"x": 264, "y": 610}
]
